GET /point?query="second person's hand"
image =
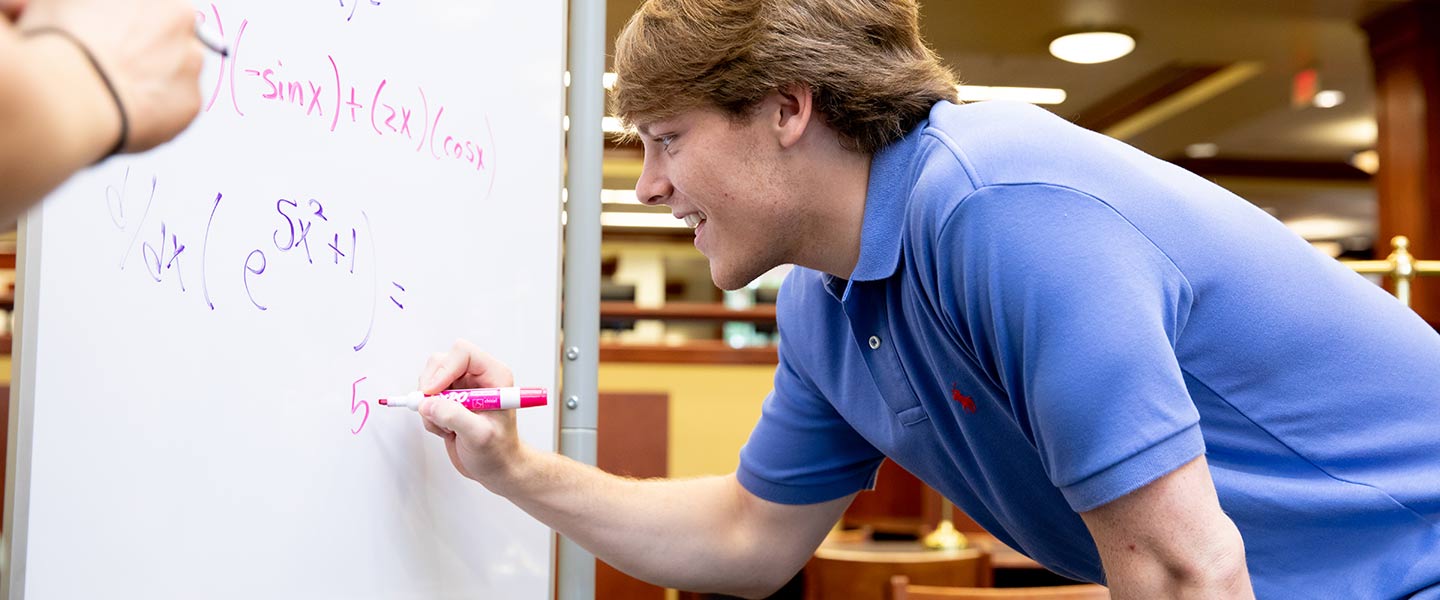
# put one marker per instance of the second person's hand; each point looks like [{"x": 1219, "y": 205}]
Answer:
[{"x": 148, "y": 50}]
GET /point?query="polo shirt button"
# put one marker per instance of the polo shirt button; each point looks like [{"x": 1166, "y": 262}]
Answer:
[{"x": 874, "y": 342}]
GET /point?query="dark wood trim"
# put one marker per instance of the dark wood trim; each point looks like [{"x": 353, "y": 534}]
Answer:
[
  {"x": 699, "y": 352},
  {"x": 1159, "y": 84},
  {"x": 1405, "y": 47},
  {"x": 674, "y": 235},
  {"x": 687, "y": 311},
  {"x": 1272, "y": 168}
]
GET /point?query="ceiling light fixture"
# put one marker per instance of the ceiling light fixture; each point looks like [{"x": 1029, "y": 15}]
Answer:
[
  {"x": 1090, "y": 47},
  {"x": 1328, "y": 98},
  {"x": 981, "y": 93}
]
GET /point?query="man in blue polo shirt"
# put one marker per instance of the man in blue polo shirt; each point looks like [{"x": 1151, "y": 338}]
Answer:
[{"x": 1116, "y": 367}]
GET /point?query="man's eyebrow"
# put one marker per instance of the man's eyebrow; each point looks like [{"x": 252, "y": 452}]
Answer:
[{"x": 643, "y": 129}]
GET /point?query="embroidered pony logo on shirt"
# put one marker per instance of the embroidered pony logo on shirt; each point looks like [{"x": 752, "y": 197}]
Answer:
[{"x": 966, "y": 402}]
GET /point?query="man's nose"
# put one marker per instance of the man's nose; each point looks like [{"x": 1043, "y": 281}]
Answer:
[{"x": 653, "y": 187}]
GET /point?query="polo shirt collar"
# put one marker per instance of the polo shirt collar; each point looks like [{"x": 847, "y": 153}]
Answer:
[{"x": 885, "y": 200}]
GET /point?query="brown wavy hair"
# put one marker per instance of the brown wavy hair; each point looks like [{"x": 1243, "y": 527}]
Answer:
[{"x": 872, "y": 76}]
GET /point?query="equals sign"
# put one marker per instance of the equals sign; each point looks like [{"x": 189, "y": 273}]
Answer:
[{"x": 392, "y": 298}]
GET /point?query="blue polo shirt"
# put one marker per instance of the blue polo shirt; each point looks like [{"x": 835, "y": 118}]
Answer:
[{"x": 1044, "y": 319}]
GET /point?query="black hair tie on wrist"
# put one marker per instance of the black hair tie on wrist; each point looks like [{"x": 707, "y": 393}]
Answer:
[{"x": 110, "y": 86}]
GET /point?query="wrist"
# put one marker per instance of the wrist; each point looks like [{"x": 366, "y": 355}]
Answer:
[
  {"x": 517, "y": 473},
  {"x": 86, "y": 119}
]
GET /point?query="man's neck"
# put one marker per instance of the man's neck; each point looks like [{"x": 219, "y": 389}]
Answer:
[{"x": 836, "y": 185}]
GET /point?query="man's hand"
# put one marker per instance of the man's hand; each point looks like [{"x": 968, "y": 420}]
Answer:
[
  {"x": 148, "y": 50},
  {"x": 1170, "y": 539},
  {"x": 483, "y": 446}
]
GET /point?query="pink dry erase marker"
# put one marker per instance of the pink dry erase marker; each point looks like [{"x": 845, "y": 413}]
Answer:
[{"x": 475, "y": 399}]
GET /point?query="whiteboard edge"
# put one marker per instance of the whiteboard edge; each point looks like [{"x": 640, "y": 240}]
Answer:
[{"x": 22, "y": 402}]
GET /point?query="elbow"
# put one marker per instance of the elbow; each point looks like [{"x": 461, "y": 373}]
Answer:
[{"x": 1215, "y": 567}]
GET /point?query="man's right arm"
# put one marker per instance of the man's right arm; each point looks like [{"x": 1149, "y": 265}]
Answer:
[{"x": 707, "y": 535}]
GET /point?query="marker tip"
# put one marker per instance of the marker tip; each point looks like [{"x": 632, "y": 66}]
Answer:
[{"x": 383, "y": 402}]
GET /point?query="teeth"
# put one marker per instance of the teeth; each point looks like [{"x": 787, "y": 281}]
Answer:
[{"x": 694, "y": 220}]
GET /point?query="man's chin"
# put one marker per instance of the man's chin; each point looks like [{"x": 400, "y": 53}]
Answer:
[{"x": 729, "y": 280}]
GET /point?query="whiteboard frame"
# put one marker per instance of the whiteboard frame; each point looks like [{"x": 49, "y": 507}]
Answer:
[
  {"x": 21, "y": 414},
  {"x": 579, "y": 412}
]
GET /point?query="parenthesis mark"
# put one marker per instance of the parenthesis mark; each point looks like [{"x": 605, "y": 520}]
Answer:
[
  {"x": 425, "y": 103},
  {"x": 336, "y": 68},
  {"x": 354, "y": 391},
  {"x": 491, "y": 168},
  {"x": 374, "y": 286},
  {"x": 373, "y": 103},
  {"x": 220, "y": 76},
  {"x": 435, "y": 132},
  {"x": 234, "y": 60},
  {"x": 205, "y": 251}
]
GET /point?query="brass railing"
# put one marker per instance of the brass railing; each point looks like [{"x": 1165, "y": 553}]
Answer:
[{"x": 1401, "y": 266}]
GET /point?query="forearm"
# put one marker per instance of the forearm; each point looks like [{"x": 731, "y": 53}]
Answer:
[
  {"x": 693, "y": 534},
  {"x": 1212, "y": 567},
  {"x": 1170, "y": 539},
  {"x": 55, "y": 117}
]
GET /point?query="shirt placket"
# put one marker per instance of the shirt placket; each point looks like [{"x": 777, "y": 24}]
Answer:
[{"x": 870, "y": 326}]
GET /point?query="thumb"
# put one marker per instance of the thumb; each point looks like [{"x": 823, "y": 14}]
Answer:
[{"x": 452, "y": 416}]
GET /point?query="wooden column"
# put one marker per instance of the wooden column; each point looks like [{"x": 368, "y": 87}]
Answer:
[{"x": 1405, "y": 48}]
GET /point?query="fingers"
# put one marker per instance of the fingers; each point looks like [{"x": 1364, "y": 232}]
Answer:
[
  {"x": 435, "y": 429},
  {"x": 453, "y": 417},
  {"x": 464, "y": 366}
]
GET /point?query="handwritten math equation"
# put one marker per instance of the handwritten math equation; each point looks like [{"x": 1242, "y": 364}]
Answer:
[
  {"x": 325, "y": 90},
  {"x": 306, "y": 232}
]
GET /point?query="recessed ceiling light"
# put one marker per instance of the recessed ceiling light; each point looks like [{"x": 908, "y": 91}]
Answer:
[
  {"x": 1202, "y": 150},
  {"x": 1329, "y": 98},
  {"x": 1092, "y": 47}
]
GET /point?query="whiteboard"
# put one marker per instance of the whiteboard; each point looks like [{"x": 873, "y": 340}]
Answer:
[{"x": 204, "y": 327}]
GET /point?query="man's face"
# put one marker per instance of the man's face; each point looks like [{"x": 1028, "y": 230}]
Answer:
[{"x": 726, "y": 179}]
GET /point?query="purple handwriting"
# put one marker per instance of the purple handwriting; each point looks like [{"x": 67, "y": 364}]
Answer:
[
  {"x": 163, "y": 246},
  {"x": 162, "y": 257},
  {"x": 320, "y": 90},
  {"x": 356, "y": 4}
]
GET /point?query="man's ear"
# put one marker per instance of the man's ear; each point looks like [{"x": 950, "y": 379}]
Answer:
[{"x": 792, "y": 110}]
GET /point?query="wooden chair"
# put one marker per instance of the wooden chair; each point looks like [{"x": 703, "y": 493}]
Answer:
[
  {"x": 862, "y": 572},
  {"x": 901, "y": 589}
]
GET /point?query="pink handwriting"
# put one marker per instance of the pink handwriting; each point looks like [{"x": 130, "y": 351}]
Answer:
[
  {"x": 357, "y": 405},
  {"x": 388, "y": 110}
]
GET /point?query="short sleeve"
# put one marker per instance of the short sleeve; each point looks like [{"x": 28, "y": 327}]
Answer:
[
  {"x": 1076, "y": 313},
  {"x": 802, "y": 451}
]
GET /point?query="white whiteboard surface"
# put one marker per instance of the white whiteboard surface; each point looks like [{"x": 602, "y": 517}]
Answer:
[{"x": 366, "y": 183}]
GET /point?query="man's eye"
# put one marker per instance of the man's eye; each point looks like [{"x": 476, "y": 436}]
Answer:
[{"x": 665, "y": 140}]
